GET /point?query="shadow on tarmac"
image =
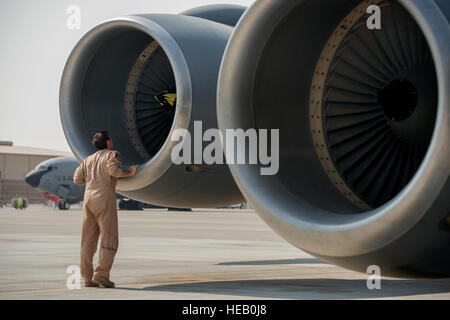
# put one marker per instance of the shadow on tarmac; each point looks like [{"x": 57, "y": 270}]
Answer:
[
  {"x": 316, "y": 288},
  {"x": 271, "y": 262}
]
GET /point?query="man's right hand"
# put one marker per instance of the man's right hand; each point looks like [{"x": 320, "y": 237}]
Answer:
[{"x": 132, "y": 169}]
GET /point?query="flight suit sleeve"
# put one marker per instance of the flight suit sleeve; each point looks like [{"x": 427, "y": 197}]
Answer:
[
  {"x": 114, "y": 164},
  {"x": 79, "y": 177}
]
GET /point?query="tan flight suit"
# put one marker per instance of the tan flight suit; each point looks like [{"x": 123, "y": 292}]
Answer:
[{"x": 100, "y": 172}]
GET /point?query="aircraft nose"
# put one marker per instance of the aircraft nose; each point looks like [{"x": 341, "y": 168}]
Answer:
[{"x": 33, "y": 178}]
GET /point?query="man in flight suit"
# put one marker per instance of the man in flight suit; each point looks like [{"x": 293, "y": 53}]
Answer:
[{"x": 99, "y": 172}]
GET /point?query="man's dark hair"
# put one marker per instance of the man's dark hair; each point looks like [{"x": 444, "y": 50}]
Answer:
[{"x": 99, "y": 140}]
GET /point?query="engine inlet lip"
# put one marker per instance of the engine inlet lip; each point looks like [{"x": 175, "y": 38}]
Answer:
[
  {"x": 399, "y": 214},
  {"x": 151, "y": 170},
  {"x": 76, "y": 68}
]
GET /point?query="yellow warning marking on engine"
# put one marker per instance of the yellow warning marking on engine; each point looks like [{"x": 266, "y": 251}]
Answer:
[
  {"x": 170, "y": 97},
  {"x": 166, "y": 98}
]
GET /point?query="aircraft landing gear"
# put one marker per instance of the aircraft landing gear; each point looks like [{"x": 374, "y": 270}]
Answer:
[{"x": 64, "y": 205}]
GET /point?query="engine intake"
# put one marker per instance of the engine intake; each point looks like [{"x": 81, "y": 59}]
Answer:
[
  {"x": 364, "y": 127},
  {"x": 142, "y": 77}
]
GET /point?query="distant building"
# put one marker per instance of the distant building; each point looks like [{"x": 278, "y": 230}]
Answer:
[{"x": 15, "y": 163}]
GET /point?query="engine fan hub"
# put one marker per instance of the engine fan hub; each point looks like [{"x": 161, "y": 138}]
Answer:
[{"x": 398, "y": 100}]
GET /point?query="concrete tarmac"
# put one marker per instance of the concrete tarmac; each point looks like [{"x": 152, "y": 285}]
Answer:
[{"x": 204, "y": 254}]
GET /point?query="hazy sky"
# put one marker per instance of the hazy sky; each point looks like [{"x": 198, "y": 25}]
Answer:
[{"x": 35, "y": 44}]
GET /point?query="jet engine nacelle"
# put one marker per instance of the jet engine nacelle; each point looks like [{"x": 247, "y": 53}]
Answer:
[
  {"x": 364, "y": 120},
  {"x": 142, "y": 77}
]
